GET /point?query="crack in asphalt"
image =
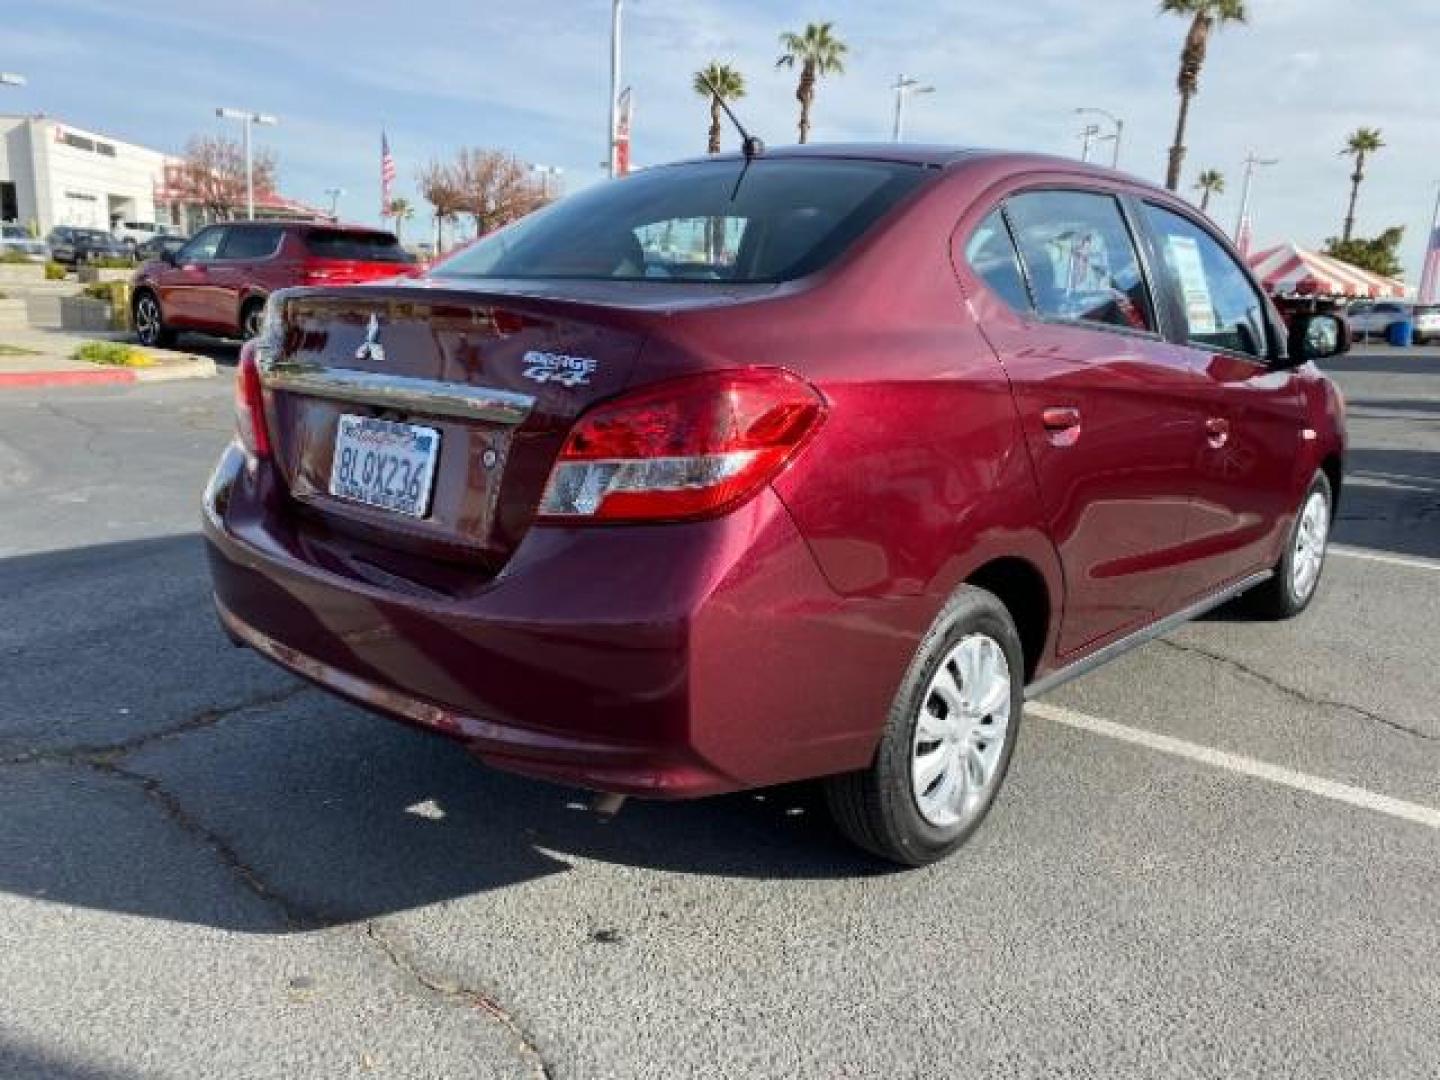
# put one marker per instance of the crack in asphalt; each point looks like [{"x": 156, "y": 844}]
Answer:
[
  {"x": 93, "y": 430},
  {"x": 85, "y": 752},
  {"x": 1298, "y": 694},
  {"x": 456, "y": 992},
  {"x": 295, "y": 915}
]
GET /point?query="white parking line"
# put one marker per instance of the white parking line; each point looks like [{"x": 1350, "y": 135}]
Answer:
[
  {"x": 1411, "y": 562},
  {"x": 1261, "y": 770}
]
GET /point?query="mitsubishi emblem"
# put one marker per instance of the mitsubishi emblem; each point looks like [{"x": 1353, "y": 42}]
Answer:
[{"x": 370, "y": 348}]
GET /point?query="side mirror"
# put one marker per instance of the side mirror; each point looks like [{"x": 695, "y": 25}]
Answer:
[
  {"x": 168, "y": 256},
  {"x": 1317, "y": 337}
]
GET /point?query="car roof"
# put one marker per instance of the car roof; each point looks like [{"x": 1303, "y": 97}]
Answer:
[{"x": 937, "y": 156}]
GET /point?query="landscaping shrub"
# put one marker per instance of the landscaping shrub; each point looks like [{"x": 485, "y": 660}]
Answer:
[
  {"x": 113, "y": 353},
  {"x": 54, "y": 272},
  {"x": 110, "y": 262}
]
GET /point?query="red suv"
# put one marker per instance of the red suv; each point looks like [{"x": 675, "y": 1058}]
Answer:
[
  {"x": 217, "y": 283},
  {"x": 739, "y": 472}
]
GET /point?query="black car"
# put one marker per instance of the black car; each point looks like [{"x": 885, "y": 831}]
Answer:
[
  {"x": 75, "y": 246},
  {"x": 157, "y": 247}
]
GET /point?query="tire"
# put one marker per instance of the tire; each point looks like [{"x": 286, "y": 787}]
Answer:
[
  {"x": 893, "y": 809},
  {"x": 1297, "y": 574},
  {"x": 149, "y": 321},
  {"x": 250, "y": 317}
]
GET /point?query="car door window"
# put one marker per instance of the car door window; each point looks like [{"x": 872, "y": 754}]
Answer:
[
  {"x": 991, "y": 254},
  {"x": 203, "y": 247},
  {"x": 1080, "y": 259},
  {"x": 250, "y": 243},
  {"x": 1223, "y": 309}
]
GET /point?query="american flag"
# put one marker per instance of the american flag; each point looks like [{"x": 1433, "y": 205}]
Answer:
[
  {"x": 387, "y": 175},
  {"x": 1430, "y": 276}
]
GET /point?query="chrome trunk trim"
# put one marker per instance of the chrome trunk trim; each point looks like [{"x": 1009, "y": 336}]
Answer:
[{"x": 425, "y": 396}]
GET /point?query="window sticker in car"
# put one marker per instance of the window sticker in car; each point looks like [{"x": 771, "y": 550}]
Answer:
[{"x": 1183, "y": 254}]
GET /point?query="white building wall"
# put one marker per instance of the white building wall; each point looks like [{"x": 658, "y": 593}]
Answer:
[{"x": 66, "y": 175}]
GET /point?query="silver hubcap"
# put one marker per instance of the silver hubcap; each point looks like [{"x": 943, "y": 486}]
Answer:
[
  {"x": 147, "y": 320},
  {"x": 961, "y": 731},
  {"x": 1310, "y": 538}
]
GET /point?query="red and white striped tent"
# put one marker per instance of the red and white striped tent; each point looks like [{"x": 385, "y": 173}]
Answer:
[{"x": 1290, "y": 270}]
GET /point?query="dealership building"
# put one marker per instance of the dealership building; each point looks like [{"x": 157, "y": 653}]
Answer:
[{"x": 52, "y": 173}]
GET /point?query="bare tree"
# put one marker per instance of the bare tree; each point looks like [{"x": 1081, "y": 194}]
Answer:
[
  {"x": 495, "y": 187},
  {"x": 212, "y": 175},
  {"x": 441, "y": 188}
]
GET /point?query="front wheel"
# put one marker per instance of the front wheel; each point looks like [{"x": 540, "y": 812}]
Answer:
[
  {"x": 947, "y": 741},
  {"x": 150, "y": 326},
  {"x": 1297, "y": 575}
]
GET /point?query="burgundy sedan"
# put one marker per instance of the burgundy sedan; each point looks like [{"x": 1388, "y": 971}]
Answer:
[{"x": 733, "y": 473}]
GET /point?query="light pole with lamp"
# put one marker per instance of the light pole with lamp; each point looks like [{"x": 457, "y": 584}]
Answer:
[
  {"x": 1117, "y": 136},
  {"x": 248, "y": 120},
  {"x": 614, "y": 110},
  {"x": 903, "y": 88},
  {"x": 1251, "y": 163},
  {"x": 545, "y": 172},
  {"x": 334, "y": 193}
]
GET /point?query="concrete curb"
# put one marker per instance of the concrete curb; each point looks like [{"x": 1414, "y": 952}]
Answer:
[{"x": 169, "y": 367}]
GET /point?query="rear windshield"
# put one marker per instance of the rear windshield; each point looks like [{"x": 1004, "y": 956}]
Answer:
[
  {"x": 710, "y": 222},
  {"x": 360, "y": 246}
]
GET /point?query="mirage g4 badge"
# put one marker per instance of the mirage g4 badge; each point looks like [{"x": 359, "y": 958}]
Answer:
[
  {"x": 370, "y": 348},
  {"x": 557, "y": 368}
]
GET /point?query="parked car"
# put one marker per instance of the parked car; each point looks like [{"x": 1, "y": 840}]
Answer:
[
  {"x": 218, "y": 281},
  {"x": 928, "y": 433},
  {"x": 159, "y": 246},
  {"x": 74, "y": 246},
  {"x": 1427, "y": 324},
  {"x": 1374, "y": 317},
  {"x": 134, "y": 234},
  {"x": 15, "y": 240}
]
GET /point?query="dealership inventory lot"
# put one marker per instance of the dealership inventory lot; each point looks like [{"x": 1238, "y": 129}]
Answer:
[{"x": 207, "y": 867}]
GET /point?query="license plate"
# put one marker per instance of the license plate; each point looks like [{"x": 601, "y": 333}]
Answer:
[{"x": 383, "y": 463}]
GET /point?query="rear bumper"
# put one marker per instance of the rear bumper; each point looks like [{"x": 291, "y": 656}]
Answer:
[{"x": 668, "y": 661}]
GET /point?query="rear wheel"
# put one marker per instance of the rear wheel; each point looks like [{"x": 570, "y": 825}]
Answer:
[
  {"x": 947, "y": 742},
  {"x": 1297, "y": 575},
  {"x": 150, "y": 325},
  {"x": 252, "y": 315}
]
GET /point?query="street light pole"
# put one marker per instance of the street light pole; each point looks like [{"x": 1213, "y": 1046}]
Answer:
[
  {"x": 1119, "y": 130},
  {"x": 1086, "y": 136},
  {"x": 248, "y": 120},
  {"x": 334, "y": 193},
  {"x": 614, "y": 119},
  {"x": 903, "y": 88},
  {"x": 1251, "y": 162},
  {"x": 545, "y": 172}
]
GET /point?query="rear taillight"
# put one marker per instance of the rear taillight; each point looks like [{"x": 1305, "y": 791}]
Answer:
[
  {"x": 250, "y": 405},
  {"x": 692, "y": 447}
]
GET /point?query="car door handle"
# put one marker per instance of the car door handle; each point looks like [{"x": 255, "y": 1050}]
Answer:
[
  {"x": 1217, "y": 431},
  {"x": 1061, "y": 423}
]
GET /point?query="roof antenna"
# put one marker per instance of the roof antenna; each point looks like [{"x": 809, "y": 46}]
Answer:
[{"x": 750, "y": 146}]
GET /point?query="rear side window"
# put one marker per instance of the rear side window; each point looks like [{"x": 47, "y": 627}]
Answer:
[
  {"x": 1080, "y": 259},
  {"x": 991, "y": 254},
  {"x": 714, "y": 222},
  {"x": 1222, "y": 309},
  {"x": 256, "y": 242},
  {"x": 357, "y": 246}
]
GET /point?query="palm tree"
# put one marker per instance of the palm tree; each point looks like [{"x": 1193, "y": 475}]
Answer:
[
  {"x": 818, "y": 52},
  {"x": 728, "y": 84},
  {"x": 1208, "y": 183},
  {"x": 1362, "y": 143},
  {"x": 1204, "y": 15},
  {"x": 402, "y": 211}
]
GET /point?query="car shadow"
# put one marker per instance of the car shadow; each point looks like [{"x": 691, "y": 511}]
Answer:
[{"x": 335, "y": 814}]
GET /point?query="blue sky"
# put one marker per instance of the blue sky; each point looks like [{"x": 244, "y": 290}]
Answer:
[{"x": 532, "y": 79}]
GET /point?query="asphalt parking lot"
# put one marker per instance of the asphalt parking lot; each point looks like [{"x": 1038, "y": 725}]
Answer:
[{"x": 1217, "y": 857}]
